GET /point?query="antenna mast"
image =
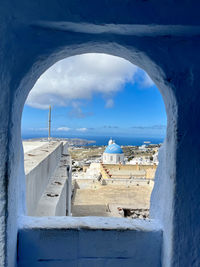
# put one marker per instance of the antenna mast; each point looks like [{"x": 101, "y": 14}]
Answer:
[{"x": 49, "y": 136}]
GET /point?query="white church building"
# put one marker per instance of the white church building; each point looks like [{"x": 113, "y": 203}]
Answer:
[{"x": 113, "y": 153}]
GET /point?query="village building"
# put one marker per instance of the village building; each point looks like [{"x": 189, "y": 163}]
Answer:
[
  {"x": 113, "y": 154},
  {"x": 112, "y": 188}
]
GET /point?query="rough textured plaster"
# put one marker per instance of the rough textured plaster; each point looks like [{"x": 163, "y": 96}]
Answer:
[
  {"x": 128, "y": 52},
  {"x": 113, "y": 248},
  {"x": 30, "y": 73},
  {"x": 27, "y": 222},
  {"x": 70, "y": 49}
]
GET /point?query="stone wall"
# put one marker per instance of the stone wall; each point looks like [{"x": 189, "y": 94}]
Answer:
[
  {"x": 41, "y": 165},
  {"x": 126, "y": 171}
]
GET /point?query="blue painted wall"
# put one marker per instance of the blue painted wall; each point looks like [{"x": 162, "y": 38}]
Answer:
[{"x": 89, "y": 248}]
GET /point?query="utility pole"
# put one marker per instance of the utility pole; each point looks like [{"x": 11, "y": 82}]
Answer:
[{"x": 49, "y": 136}]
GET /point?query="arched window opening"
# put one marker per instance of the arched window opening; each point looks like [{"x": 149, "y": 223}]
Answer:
[{"x": 92, "y": 127}]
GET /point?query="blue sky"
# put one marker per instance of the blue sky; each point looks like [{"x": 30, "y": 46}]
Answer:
[{"x": 95, "y": 94}]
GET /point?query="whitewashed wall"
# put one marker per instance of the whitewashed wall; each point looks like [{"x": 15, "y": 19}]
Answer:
[
  {"x": 162, "y": 37},
  {"x": 39, "y": 173},
  {"x": 109, "y": 158}
]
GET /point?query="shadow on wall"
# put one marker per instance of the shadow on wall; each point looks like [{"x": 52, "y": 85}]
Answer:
[{"x": 160, "y": 52}]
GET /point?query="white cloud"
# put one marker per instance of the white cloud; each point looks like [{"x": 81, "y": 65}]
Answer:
[
  {"x": 109, "y": 103},
  {"x": 81, "y": 129},
  {"x": 63, "y": 129},
  {"x": 80, "y": 77},
  {"x": 77, "y": 112},
  {"x": 147, "y": 81},
  {"x": 39, "y": 129}
]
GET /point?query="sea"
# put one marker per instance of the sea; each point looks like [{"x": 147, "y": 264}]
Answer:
[{"x": 103, "y": 140}]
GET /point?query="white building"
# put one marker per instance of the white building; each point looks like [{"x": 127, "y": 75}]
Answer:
[
  {"x": 113, "y": 153},
  {"x": 142, "y": 147},
  {"x": 155, "y": 158}
]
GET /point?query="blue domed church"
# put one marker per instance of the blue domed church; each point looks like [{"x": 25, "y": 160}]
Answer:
[{"x": 113, "y": 153}]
